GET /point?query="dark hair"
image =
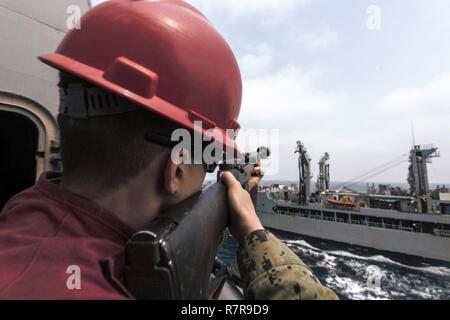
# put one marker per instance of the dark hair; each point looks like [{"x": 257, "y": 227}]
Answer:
[{"x": 107, "y": 150}]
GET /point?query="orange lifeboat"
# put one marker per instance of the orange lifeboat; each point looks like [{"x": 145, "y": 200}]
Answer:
[{"x": 342, "y": 202}]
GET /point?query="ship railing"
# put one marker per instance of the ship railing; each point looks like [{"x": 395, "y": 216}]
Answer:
[
  {"x": 301, "y": 214},
  {"x": 376, "y": 225},
  {"x": 360, "y": 222},
  {"x": 389, "y": 226},
  {"x": 343, "y": 208},
  {"x": 355, "y": 222},
  {"x": 392, "y": 226},
  {"x": 441, "y": 232}
]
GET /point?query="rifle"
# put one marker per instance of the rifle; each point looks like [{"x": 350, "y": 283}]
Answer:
[{"x": 175, "y": 257}]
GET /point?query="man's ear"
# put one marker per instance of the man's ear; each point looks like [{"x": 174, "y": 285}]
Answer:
[{"x": 172, "y": 178}]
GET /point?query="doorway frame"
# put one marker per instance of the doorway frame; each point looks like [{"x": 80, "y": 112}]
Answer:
[{"x": 48, "y": 132}]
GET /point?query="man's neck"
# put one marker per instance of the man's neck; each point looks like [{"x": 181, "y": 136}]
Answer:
[{"x": 132, "y": 204}]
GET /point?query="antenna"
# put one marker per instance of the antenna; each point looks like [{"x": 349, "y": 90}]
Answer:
[{"x": 413, "y": 135}]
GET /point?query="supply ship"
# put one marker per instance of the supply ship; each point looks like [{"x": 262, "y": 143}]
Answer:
[{"x": 413, "y": 222}]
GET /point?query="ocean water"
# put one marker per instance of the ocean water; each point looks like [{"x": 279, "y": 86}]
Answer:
[{"x": 363, "y": 274}]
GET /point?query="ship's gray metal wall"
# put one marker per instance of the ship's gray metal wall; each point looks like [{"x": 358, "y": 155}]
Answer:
[{"x": 29, "y": 29}]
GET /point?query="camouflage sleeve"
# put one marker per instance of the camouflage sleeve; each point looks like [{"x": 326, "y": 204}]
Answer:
[{"x": 270, "y": 270}]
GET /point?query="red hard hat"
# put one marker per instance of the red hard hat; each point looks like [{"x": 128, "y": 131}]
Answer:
[{"x": 163, "y": 55}]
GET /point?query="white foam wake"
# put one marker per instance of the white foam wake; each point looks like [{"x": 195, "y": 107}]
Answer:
[
  {"x": 360, "y": 284},
  {"x": 438, "y": 271}
]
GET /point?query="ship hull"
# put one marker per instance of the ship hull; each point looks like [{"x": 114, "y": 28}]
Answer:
[{"x": 411, "y": 243}]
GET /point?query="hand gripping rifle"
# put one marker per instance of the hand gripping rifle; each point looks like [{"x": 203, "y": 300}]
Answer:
[{"x": 175, "y": 257}]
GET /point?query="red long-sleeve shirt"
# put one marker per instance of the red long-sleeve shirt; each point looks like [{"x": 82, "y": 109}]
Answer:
[{"x": 58, "y": 245}]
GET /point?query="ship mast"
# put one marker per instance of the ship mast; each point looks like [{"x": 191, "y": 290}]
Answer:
[
  {"x": 304, "y": 174},
  {"x": 323, "y": 180},
  {"x": 418, "y": 175}
]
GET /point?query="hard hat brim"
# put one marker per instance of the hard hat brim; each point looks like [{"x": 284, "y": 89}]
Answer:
[{"x": 184, "y": 118}]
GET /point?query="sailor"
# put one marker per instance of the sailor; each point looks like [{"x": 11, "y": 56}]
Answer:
[{"x": 133, "y": 73}]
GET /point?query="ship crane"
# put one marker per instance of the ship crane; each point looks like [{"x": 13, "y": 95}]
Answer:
[
  {"x": 304, "y": 169},
  {"x": 418, "y": 175},
  {"x": 323, "y": 180}
]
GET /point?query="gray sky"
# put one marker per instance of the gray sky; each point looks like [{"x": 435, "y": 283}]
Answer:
[{"x": 314, "y": 70}]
